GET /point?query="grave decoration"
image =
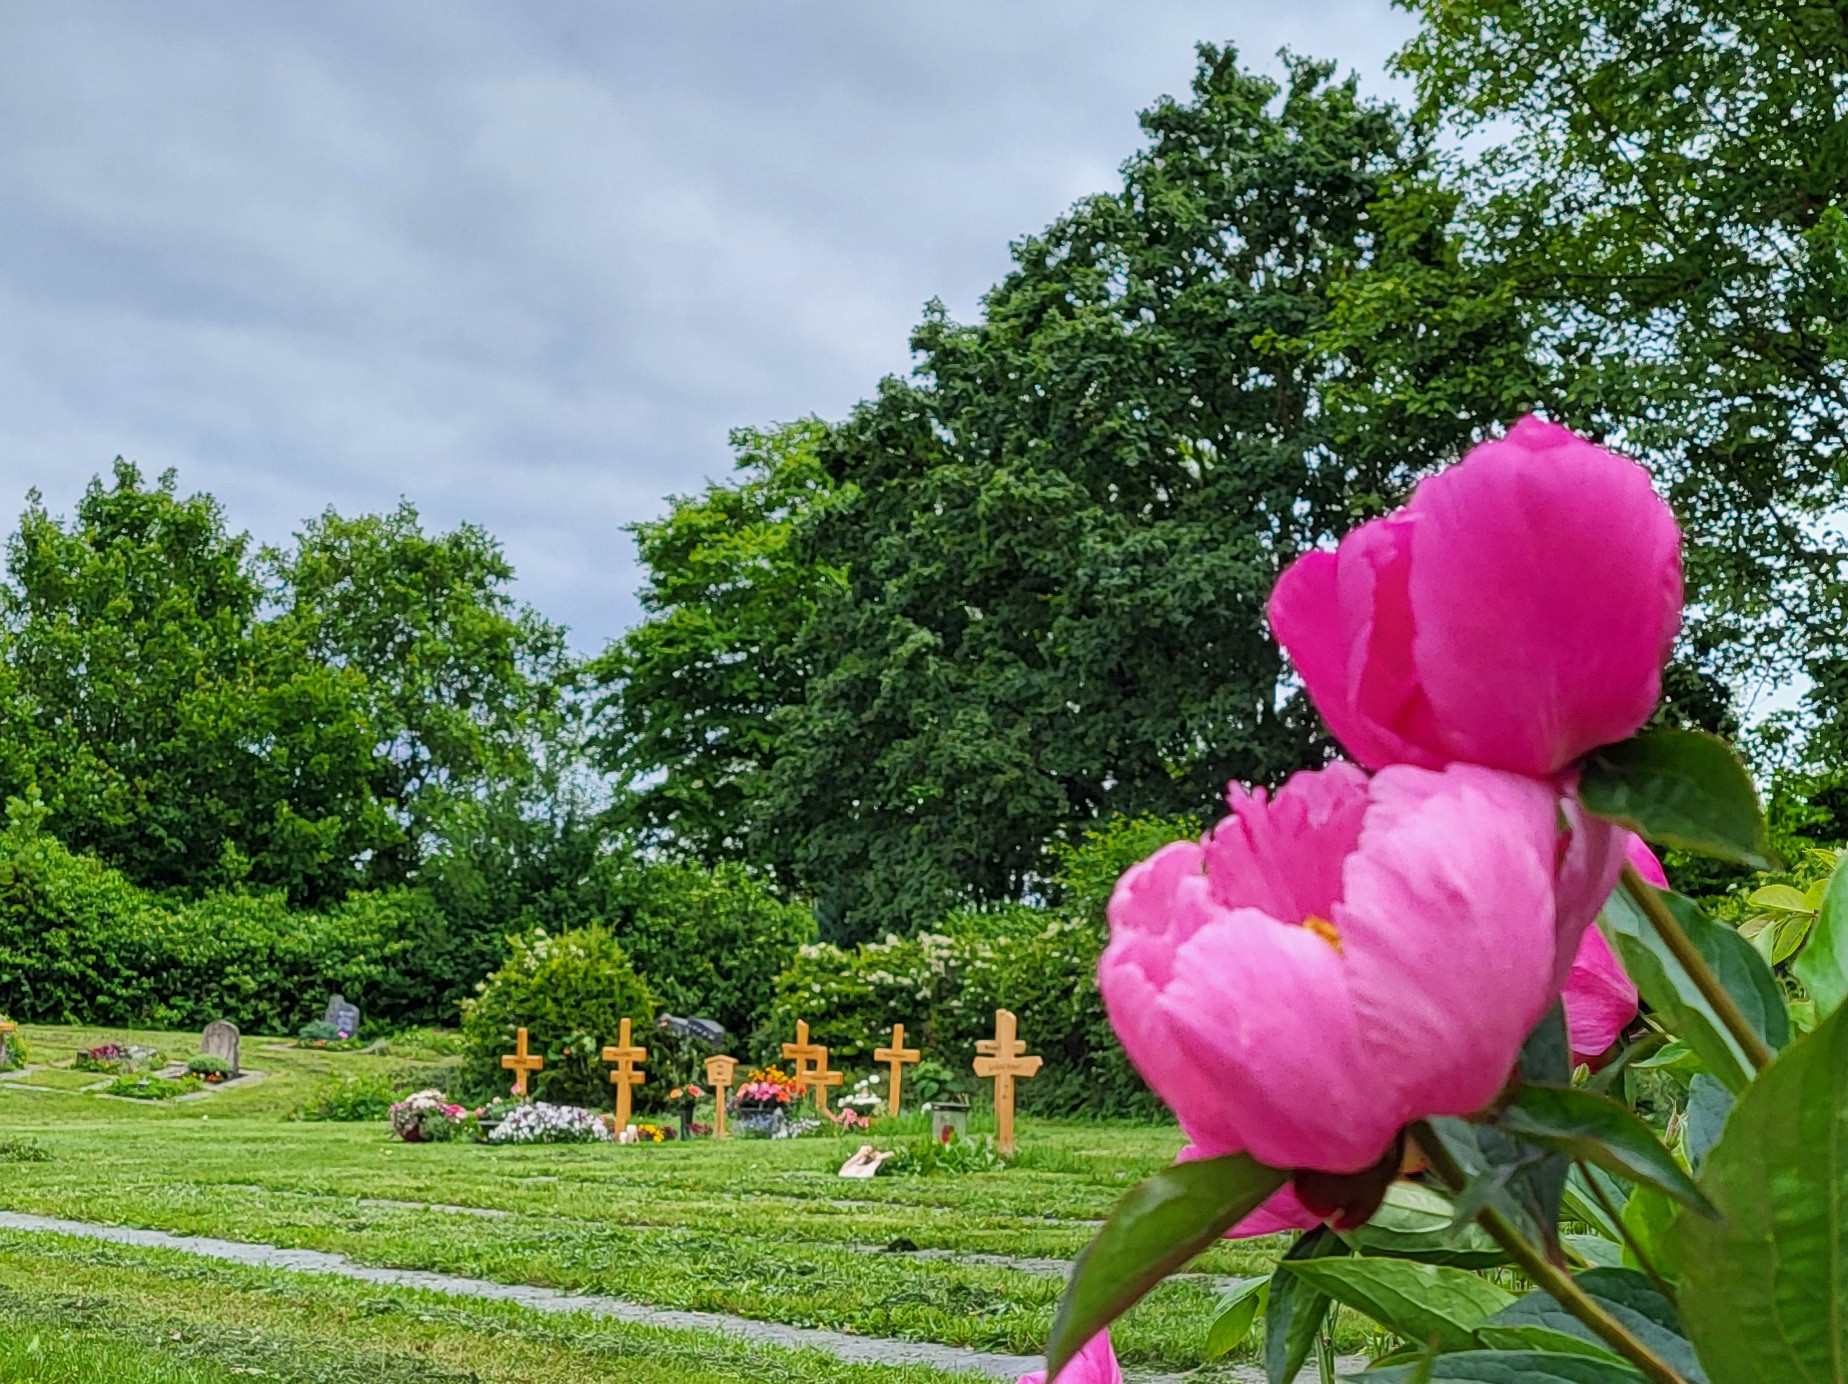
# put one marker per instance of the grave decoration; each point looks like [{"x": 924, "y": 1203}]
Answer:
[
  {"x": 427, "y": 1117},
  {"x": 763, "y": 1101},
  {"x": 811, "y": 1061},
  {"x": 7, "y": 1029},
  {"x": 683, "y": 1045},
  {"x": 719, "y": 1073},
  {"x": 1002, "y": 1058},
  {"x": 520, "y": 1062},
  {"x": 896, "y": 1057},
  {"x": 220, "y": 1041},
  {"x": 627, "y": 1057},
  {"x": 544, "y": 1123}
]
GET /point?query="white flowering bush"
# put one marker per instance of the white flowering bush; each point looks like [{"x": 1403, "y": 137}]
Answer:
[{"x": 544, "y": 1123}]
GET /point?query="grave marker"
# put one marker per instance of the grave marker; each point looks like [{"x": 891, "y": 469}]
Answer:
[
  {"x": 1003, "y": 1060},
  {"x": 220, "y": 1040},
  {"x": 626, "y": 1056},
  {"x": 811, "y": 1061},
  {"x": 897, "y": 1056},
  {"x": 7, "y": 1029},
  {"x": 719, "y": 1073},
  {"x": 342, "y": 1015},
  {"x": 519, "y": 1062}
]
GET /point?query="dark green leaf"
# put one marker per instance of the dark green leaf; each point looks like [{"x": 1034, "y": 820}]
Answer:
[
  {"x": 1294, "y": 1312},
  {"x": 1762, "y": 1288},
  {"x": 1629, "y": 1297},
  {"x": 1581, "y": 1199},
  {"x": 1540, "y": 1338},
  {"x": 1598, "y": 1130},
  {"x": 1417, "y": 1301},
  {"x": 1647, "y": 1216},
  {"x": 1416, "y": 1222},
  {"x": 1509, "y": 1367},
  {"x": 1682, "y": 788},
  {"x": 1158, "y": 1226},
  {"x": 1677, "y": 1001},
  {"x": 1823, "y": 967},
  {"x": 1234, "y": 1315},
  {"x": 1709, "y": 1103}
]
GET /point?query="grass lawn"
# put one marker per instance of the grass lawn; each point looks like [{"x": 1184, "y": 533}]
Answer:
[{"x": 756, "y": 1228}]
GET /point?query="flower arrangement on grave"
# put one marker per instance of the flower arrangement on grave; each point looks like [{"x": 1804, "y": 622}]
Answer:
[
  {"x": 209, "y": 1068},
  {"x": 541, "y": 1122},
  {"x": 427, "y": 1117},
  {"x": 145, "y": 1087},
  {"x": 321, "y": 1034},
  {"x": 766, "y": 1087},
  {"x": 848, "y": 1119},
  {"x": 104, "y": 1057},
  {"x": 646, "y": 1132},
  {"x": 866, "y": 1098}
]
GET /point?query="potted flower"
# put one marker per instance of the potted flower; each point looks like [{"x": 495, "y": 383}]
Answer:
[
  {"x": 761, "y": 1104},
  {"x": 426, "y": 1117},
  {"x": 684, "y": 1099}
]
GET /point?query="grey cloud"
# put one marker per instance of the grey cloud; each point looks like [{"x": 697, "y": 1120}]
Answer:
[{"x": 526, "y": 264}]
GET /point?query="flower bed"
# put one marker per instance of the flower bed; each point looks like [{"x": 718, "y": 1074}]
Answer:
[
  {"x": 544, "y": 1123},
  {"x": 427, "y": 1117},
  {"x": 152, "y": 1087}
]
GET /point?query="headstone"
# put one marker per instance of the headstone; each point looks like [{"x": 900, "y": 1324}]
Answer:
[
  {"x": 626, "y": 1056},
  {"x": 343, "y": 1016},
  {"x": 719, "y": 1073},
  {"x": 220, "y": 1040},
  {"x": 811, "y": 1061},
  {"x": 519, "y": 1062},
  {"x": 897, "y": 1056},
  {"x": 1002, "y": 1059}
]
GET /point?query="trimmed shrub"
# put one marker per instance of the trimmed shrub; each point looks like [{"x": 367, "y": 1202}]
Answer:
[{"x": 570, "y": 993}]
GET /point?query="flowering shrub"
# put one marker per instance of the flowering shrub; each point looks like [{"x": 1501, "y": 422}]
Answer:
[
  {"x": 543, "y": 1123},
  {"x": 1387, "y": 969},
  {"x": 207, "y": 1067},
  {"x": 427, "y": 1117}
]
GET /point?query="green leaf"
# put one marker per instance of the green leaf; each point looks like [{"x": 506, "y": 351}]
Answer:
[
  {"x": 1415, "y": 1222},
  {"x": 1510, "y": 1367},
  {"x": 1597, "y": 1129},
  {"x": 1596, "y": 1250},
  {"x": 1648, "y": 1215},
  {"x": 1676, "y": 1057},
  {"x": 1823, "y": 967},
  {"x": 1541, "y": 1338},
  {"x": 1581, "y": 1199},
  {"x": 1709, "y": 1103},
  {"x": 1417, "y": 1301},
  {"x": 1790, "y": 935},
  {"x": 1629, "y": 1297},
  {"x": 1234, "y": 1315},
  {"x": 1158, "y": 1226},
  {"x": 1671, "y": 993},
  {"x": 1682, "y": 788},
  {"x": 1762, "y": 1288},
  {"x": 1294, "y": 1312},
  {"x": 1781, "y": 897}
]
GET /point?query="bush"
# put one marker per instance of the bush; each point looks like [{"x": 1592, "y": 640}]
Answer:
[
  {"x": 350, "y": 1100},
  {"x": 205, "y": 1065},
  {"x": 152, "y": 1087},
  {"x": 571, "y": 993},
  {"x": 79, "y": 943},
  {"x": 945, "y": 985}
]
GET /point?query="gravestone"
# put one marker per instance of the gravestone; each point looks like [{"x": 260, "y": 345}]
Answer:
[
  {"x": 343, "y": 1016},
  {"x": 220, "y": 1040}
]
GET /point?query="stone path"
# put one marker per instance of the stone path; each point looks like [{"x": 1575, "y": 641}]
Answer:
[{"x": 867, "y": 1350}]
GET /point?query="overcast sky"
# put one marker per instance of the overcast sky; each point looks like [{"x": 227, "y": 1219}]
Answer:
[{"x": 525, "y": 264}]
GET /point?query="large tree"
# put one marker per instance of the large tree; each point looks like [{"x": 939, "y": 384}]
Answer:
[
  {"x": 168, "y": 729},
  {"x": 1057, "y": 541}
]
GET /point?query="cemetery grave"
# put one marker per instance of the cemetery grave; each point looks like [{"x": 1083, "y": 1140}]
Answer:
[{"x": 758, "y": 1230}]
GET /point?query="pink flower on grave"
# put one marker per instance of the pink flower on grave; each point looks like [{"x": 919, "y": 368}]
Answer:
[
  {"x": 1517, "y": 611},
  {"x": 1095, "y": 1364},
  {"x": 1350, "y": 955},
  {"x": 1600, "y": 997}
]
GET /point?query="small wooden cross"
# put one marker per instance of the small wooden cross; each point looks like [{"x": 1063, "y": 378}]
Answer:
[
  {"x": 7, "y": 1029},
  {"x": 719, "y": 1072},
  {"x": 520, "y": 1063},
  {"x": 626, "y": 1057},
  {"x": 1003, "y": 1060},
  {"x": 811, "y": 1061},
  {"x": 897, "y": 1056}
]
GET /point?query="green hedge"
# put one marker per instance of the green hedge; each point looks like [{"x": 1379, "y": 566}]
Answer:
[{"x": 945, "y": 985}]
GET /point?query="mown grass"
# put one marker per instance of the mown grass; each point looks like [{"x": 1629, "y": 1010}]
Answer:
[{"x": 757, "y": 1228}]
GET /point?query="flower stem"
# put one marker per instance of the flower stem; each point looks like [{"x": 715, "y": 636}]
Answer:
[
  {"x": 1559, "y": 1284},
  {"x": 1649, "y": 899}
]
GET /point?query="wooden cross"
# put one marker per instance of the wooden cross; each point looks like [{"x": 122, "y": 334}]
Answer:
[
  {"x": 626, "y": 1057},
  {"x": 7, "y": 1029},
  {"x": 719, "y": 1072},
  {"x": 897, "y": 1056},
  {"x": 1003, "y": 1060},
  {"x": 520, "y": 1063},
  {"x": 811, "y": 1061}
]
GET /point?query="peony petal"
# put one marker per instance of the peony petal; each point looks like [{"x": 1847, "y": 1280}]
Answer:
[
  {"x": 1600, "y": 998},
  {"x": 1282, "y": 855},
  {"x": 1449, "y": 924},
  {"x": 1545, "y": 590},
  {"x": 1095, "y": 1364}
]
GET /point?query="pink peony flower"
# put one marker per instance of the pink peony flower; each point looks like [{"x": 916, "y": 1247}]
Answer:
[
  {"x": 1517, "y": 612},
  {"x": 1095, "y": 1364},
  {"x": 1600, "y": 997},
  {"x": 1348, "y": 956}
]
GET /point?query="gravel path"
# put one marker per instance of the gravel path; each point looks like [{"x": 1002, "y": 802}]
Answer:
[{"x": 867, "y": 1350}]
